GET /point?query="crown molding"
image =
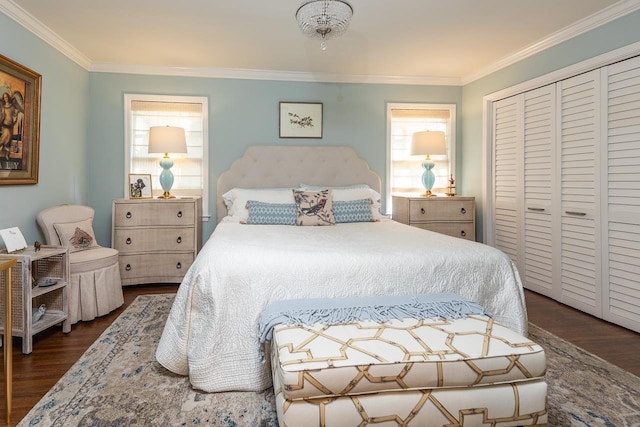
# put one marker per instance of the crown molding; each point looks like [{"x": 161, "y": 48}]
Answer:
[
  {"x": 247, "y": 74},
  {"x": 611, "y": 13},
  {"x": 27, "y": 20},
  {"x": 15, "y": 12}
]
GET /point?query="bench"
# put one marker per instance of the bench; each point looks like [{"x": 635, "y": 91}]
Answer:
[{"x": 463, "y": 372}]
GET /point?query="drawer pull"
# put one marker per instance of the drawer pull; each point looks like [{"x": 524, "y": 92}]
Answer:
[
  {"x": 179, "y": 214},
  {"x": 128, "y": 215},
  {"x": 179, "y": 266},
  {"x": 463, "y": 211},
  {"x": 422, "y": 211},
  {"x": 575, "y": 213},
  {"x": 536, "y": 209},
  {"x": 128, "y": 241},
  {"x": 128, "y": 267},
  {"x": 179, "y": 239},
  {"x": 463, "y": 233}
]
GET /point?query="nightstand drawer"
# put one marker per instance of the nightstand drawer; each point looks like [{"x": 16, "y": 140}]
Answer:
[
  {"x": 454, "y": 216},
  {"x": 464, "y": 230},
  {"x": 164, "y": 267},
  {"x": 154, "y": 213},
  {"x": 436, "y": 210},
  {"x": 151, "y": 239}
]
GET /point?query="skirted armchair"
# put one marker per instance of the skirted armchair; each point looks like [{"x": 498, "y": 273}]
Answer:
[{"x": 95, "y": 288}]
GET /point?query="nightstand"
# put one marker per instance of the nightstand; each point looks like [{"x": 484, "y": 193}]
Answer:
[
  {"x": 158, "y": 239},
  {"x": 454, "y": 216},
  {"x": 39, "y": 278}
]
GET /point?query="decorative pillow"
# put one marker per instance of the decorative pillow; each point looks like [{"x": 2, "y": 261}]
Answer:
[
  {"x": 314, "y": 207},
  {"x": 77, "y": 236},
  {"x": 271, "y": 213},
  {"x": 354, "y": 192},
  {"x": 352, "y": 211},
  {"x": 236, "y": 199}
]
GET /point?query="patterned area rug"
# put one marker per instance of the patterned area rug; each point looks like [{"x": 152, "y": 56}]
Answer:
[{"x": 117, "y": 382}]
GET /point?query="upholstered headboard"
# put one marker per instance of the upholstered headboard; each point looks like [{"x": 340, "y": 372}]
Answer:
[{"x": 264, "y": 166}]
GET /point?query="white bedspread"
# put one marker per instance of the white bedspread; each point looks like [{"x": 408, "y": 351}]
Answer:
[{"x": 212, "y": 331}]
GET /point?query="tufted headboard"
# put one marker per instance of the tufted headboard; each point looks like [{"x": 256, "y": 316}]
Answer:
[{"x": 264, "y": 166}]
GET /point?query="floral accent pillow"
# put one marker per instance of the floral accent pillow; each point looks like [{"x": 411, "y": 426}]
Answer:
[
  {"x": 314, "y": 207},
  {"x": 77, "y": 236}
]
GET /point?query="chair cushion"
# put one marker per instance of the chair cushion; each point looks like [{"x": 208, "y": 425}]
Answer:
[
  {"x": 410, "y": 354},
  {"x": 94, "y": 258}
]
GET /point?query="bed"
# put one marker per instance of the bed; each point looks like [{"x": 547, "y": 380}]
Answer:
[{"x": 212, "y": 331}]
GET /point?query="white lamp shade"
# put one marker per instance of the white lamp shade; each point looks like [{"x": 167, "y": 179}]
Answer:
[
  {"x": 167, "y": 139},
  {"x": 428, "y": 143}
]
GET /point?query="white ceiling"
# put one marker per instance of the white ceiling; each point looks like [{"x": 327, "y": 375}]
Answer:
[{"x": 410, "y": 41}]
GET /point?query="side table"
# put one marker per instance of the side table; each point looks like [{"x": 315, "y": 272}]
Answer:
[{"x": 39, "y": 278}]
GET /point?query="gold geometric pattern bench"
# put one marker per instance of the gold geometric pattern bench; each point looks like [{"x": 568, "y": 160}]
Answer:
[{"x": 463, "y": 372}]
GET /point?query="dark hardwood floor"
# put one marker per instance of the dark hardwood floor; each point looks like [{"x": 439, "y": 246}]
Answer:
[{"x": 54, "y": 352}]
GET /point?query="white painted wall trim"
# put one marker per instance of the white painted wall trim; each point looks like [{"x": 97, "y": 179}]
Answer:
[{"x": 22, "y": 17}]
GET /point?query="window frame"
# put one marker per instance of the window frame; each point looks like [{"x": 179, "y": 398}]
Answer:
[
  {"x": 131, "y": 97},
  {"x": 451, "y": 131}
]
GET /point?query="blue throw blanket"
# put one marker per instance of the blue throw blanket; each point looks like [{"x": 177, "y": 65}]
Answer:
[{"x": 334, "y": 311}]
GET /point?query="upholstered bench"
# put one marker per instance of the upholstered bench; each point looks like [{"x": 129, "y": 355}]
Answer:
[{"x": 463, "y": 372}]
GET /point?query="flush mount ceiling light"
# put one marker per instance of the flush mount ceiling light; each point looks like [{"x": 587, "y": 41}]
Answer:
[{"x": 324, "y": 19}]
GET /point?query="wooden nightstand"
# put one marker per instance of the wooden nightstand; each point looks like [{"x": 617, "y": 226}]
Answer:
[
  {"x": 454, "y": 216},
  {"x": 158, "y": 239}
]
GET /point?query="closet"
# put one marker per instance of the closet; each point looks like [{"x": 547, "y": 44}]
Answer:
[{"x": 565, "y": 185}]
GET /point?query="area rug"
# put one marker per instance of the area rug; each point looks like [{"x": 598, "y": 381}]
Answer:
[{"x": 117, "y": 382}]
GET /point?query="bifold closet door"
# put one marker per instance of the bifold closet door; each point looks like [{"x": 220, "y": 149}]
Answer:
[
  {"x": 539, "y": 191},
  {"x": 622, "y": 169},
  {"x": 507, "y": 131},
  {"x": 579, "y": 136}
]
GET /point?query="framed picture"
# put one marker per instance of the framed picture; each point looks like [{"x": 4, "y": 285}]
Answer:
[
  {"x": 140, "y": 186},
  {"x": 300, "y": 120},
  {"x": 20, "y": 88}
]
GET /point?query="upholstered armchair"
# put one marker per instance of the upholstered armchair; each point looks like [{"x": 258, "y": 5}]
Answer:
[{"x": 95, "y": 288}]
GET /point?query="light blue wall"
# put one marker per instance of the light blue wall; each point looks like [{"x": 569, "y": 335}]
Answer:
[
  {"x": 63, "y": 171},
  {"x": 616, "y": 34},
  {"x": 82, "y": 127},
  {"x": 241, "y": 113}
]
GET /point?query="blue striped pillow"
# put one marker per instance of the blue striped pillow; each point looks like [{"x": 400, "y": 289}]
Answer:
[
  {"x": 352, "y": 211},
  {"x": 271, "y": 213}
]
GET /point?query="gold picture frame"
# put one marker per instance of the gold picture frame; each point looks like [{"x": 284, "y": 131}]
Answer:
[
  {"x": 20, "y": 89},
  {"x": 140, "y": 186}
]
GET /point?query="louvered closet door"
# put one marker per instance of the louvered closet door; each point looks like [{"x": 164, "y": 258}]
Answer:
[
  {"x": 579, "y": 133},
  {"x": 539, "y": 168},
  {"x": 506, "y": 177},
  {"x": 622, "y": 266}
]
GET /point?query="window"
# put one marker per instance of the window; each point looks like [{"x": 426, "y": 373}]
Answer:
[
  {"x": 404, "y": 172},
  {"x": 190, "y": 169}
]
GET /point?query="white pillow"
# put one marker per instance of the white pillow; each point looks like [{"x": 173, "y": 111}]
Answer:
[
  {"x": 236, "y": 199},
  {"x": 349, "y": 193}
]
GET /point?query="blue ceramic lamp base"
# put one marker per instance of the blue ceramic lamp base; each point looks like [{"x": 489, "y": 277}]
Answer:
[
  {"x": 166, "y": 177},
  {"x": 428, "y": 177}
]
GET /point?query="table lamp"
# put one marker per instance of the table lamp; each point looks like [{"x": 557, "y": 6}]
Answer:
[
  {"x": 167, "y": 139},
  {"x": 428, "y": 143}
]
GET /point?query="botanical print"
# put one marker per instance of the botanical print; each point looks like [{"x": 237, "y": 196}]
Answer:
[{"x": 301, "y": 122}]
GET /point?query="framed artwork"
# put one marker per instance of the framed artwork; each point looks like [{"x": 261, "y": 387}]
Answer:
[
  {"x": 20, "y": 88},
  {"x": 140, "y": 186},
  {"x": 300, "y": 120}
]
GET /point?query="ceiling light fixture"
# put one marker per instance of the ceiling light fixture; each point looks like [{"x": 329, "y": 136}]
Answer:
[{"x": 324, "y": 19}]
